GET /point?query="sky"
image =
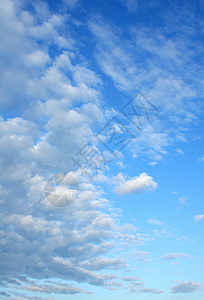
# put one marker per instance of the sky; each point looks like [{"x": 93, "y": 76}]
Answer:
[{"x": 101, "y": 149}]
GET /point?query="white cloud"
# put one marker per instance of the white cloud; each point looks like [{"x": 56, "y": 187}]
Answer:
[
  {"x": 152, "y": 163},
  {"x": 171, "y": 256},
  {"x": 102, "y": 262},
  {"x": 57, "y": 98},
  {"x": 113, "y": 57},
  {"x": 142, "y": 256},
  {"x": 137, "y": 184},
  {"x": 150, "y": 290},
  {"x": 186, "y": 287},
  {"x": 131, "y": 279},
  {"x": 201, "y": 159},
  {"x": 52, "y": 88},
  {"x": 179, "y": 151},
  {"x": 156, "y": 222},
  {"x": 129, "y": 60},
  {"x": 182, "y": 201},
  {"x": 131, "y": 5},
  {"x": 57, "y": 289},
  {"x": 37, "y": 58},
  {"x": 71, "y": 3},
  {"x": 198, "y": 218}
]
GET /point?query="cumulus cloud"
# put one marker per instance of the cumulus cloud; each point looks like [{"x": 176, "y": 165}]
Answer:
[
  {"x": 136, "y": 185},
  {"x": 186, "y": 287}
]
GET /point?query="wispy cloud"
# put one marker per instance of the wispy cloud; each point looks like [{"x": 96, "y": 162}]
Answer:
[
  {"x": 201, "y": 159},
  {"x": 155, "y": 222},
  {"x": 172, "y": 256},
  {"x": 198, "y": 218},
  {"x": 131, "y": 5}
]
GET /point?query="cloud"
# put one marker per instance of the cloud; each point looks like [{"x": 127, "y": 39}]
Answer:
[
  {"x": 159, "y": 60},
  {"x": 152, "y": 163},
  {"x": 71, "y": 3},
  {"x": 31, "y": 72},
  {"x": 131, "y": 5},
  {"x": 142, "y": 256},
  {"x": 198, "y": 218},
  {"x": 52, "y": 105},
  {"x": 186, "y": 287},
  {"x": 182, "y": 201},
  {"x": 101, "y": 262},
  {"x": 5, "y": 294},
  {"x": 112, "y": 55},
  {"x": 155, "y": 222},
  {"x": 150, "y": 290},
  {"x": 145, "y": 290},
  {"x": 201, "y": 159},
  {"x": 53, "y": 288},
  {"x": 172, "y": 256},
  {"x": 131, "y": 279},
  {"x": 136, "y": 185},
  {"x": 179, "y": 151}
]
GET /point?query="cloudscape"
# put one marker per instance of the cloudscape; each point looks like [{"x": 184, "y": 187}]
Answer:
[{"x": 101, "y": 149}]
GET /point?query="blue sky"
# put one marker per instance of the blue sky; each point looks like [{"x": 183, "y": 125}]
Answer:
[{"x": 101, "y": 149}]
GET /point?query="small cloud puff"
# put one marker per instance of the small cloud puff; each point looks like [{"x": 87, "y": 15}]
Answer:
[
  {"x": 155, "y": 222},
  {"x": 201, "y": 159},
  {"x": 198, "y": 218},
  {"x": 136, "y": 185}
]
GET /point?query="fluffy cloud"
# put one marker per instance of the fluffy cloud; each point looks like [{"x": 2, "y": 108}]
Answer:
[
  {"x": 137, "y": 184},
  {"x": 186, "y": 287}
]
